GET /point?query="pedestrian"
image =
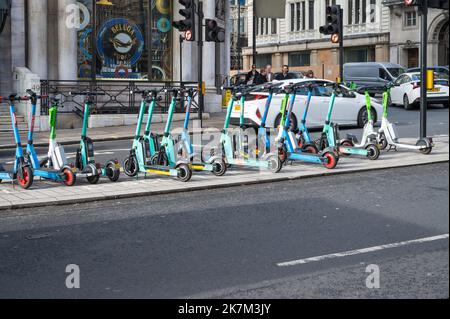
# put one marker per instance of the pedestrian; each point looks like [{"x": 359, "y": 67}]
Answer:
[
  {"x": 284, "y": 75},
  {"x": 263, "y": 76},
  {"x": 252, "y": 76},
  {"x": 309, "y": 74},
  {"x": 269, "y": 74}
]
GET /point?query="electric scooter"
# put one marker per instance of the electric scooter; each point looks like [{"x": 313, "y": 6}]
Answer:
[
  {"x": 369, "y": 133},
  {"x": 234, "y": 152},
  {"x": 62, "y": 175},
  {"x": 289, "y": 145},
  {"x": 330, "y": 136},
  {"x": 163, "y": 161},
  {"x": 388, "y": 135},
  {"x": 215, "y": 164},
  {"x": 21, "y": 172},
  {"x": 85, "y": 161}
]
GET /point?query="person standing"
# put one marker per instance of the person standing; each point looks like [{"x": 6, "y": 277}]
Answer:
[
  {"x": 252, "y": 76},
  {"x": 269, "y": 74},
  {"x": 309, "y": 74},
  {"x": 284, "y": 75}
]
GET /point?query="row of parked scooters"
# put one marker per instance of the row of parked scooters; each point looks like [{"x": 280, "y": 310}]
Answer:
[{"x": 152, "y": 154}]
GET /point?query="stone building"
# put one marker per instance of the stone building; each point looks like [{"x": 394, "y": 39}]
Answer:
[
  {"x": 374, "y": 30},
  {"x": 134, "y": 41}
]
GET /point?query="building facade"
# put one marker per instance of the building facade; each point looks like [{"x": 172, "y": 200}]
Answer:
[
  {"x": 109, "y": 40},
  {"x": 405, "y": 25},
  {"x": 374, "y": 30}
]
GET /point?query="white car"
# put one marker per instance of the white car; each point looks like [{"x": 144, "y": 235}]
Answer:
[
  {"x": 349, "y": 109},
  {"x": 406, "y": 91}
]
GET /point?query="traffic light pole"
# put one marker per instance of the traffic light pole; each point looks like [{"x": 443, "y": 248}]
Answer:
[
  {"x": 341, "y": 45},
  {"x": 423, "y": 69},
  {"x": 255, "y": 21},
  {"x": 201, "y": 98}
]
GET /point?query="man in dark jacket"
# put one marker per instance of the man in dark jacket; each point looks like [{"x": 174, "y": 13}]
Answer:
[
  {"x": 284, "y": 75},
  {"x": 253, "y": 77}
]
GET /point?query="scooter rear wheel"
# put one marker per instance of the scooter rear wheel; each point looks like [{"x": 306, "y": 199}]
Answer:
[
  {"x": 373, "y": 152},
  {"x": 282, "y": 155},
  {"x": 330, "y": 160},
  {"x": 69, "y": 177},
  {"x": 112, "y": 171},
  {"x": 310, "y": 149},
  {"x": 184, "y": 173},
  {"x": 346, "y": 143},
  {"x": 425, "y": 150},
  {"x": 275, "y": 163},
  {"x": 26, "y": 180},
  {"x": 219, "y": 168},
  {"x": 94, "y": 178}
]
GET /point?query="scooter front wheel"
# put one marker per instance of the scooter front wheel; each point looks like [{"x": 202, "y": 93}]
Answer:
[
  {"x": 25, "y": 177},
  {"x": 373, "y": 152},
  {"x": 330, "y": 161},
  {"x": 130, "y": 166},
  {"x": 184, "y": 173},
  {"x": 219, "y": 168},
  {"x": 69, "y": 177},
  {"x": 112, "y": 171}
]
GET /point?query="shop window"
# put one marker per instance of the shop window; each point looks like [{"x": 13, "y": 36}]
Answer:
[
  {"x": 133, "y": 40},
  {"x": 299, "y": 59}
]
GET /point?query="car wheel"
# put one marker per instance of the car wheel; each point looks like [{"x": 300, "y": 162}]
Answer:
[
  {"x": 293, "y": 123},
  {"x": 408, "y": 106},
  {"x": 363, "y": 116}
]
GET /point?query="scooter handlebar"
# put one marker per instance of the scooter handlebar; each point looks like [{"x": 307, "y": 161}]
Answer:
[{"x": 87, "y": 93}]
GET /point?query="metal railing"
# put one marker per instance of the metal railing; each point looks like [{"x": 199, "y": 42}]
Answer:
[{"x": 118, "y": 98}]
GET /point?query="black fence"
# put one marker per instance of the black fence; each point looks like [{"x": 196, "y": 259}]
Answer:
[{"x": 118, "y": 98}]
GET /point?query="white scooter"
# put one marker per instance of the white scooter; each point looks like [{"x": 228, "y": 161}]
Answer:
[
  {"x": 388, "y": 135},
  {"x": 56, "y": 157}
]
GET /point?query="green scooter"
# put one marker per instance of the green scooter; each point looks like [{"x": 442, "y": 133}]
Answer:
[
  {"x": 85, "y": 161},
  {"x": 148, "y": 155}
]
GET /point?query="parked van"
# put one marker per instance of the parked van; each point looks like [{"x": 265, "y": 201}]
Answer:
[{"x": 371, "y": 73}]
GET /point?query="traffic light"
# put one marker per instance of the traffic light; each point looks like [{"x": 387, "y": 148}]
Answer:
[
  {"x": 213, "y": 32},
  {"x": 188, "y": 24},
  {"x": 333, "y": 25}
]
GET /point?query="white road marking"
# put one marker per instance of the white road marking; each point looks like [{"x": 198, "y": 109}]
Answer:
[{"x": 362, "y": 251}]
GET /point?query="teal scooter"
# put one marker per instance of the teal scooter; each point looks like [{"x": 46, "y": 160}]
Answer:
[
  {"x": 330, "y": 136},
  {"x": 234, "y": 150},
  {"x": 85, "y": 157},
  {"x": 62, "y": 175},
  {"x": 215, "y": 164},
  {"x": 148, "y": 155},
  {"x": 21, "y": 172},
  {"x": 289, "y": 145}
]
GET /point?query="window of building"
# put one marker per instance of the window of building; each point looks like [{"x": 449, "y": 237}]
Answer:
[
  {"x": 121, "y": 49},
  {"x": 311, "y": 15},
  {"x": 350, "y": 12},
  {"x": 299, "y": 58},
  {"x": 373, "y": 6},
  {"x": 298, "y": 16},
  {"x": 292, "y": 17},
  {"x": 364, "y": 11},
  {"x": 410, "y": 18},
  {"x": 267, "y": 26},
  {"x": 303, "y": 15},
  {"x": 263, "y": 59},
  {"x": 359, "y": 54},
  {"x": 273, "y": 26},
  {"x": 357, "y": 11}
]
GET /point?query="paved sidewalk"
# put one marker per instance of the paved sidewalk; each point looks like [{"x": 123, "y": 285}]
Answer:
[
  {"x": 72, "y": 136},
  {"x": 45, "y": 193}
]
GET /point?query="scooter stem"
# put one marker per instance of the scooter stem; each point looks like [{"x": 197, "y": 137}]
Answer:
[
  {"x": 85, "y": 118},
  {"x": 308, "y": 102},
  {"x": 170, "y": 114},
  {"x": 368, "y": 106},
  {"x": 241, "y": 118},
  {"x": 229, "y": 110},
  {"x": 140, "y": 118},
  {"x": 188, "y": 112}
]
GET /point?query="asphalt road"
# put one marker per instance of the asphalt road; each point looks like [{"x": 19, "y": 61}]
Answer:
[
  {"x": 407, "y": 123},
  {"x": 233, "y": 242}
]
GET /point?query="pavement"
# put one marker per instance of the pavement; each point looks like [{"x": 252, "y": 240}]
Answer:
[
  {"x": 234, "y": 242},
  {"x": 44, "y": 193}
]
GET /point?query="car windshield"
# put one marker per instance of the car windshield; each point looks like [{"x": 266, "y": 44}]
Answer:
[{"x": 395, "y": 72}]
